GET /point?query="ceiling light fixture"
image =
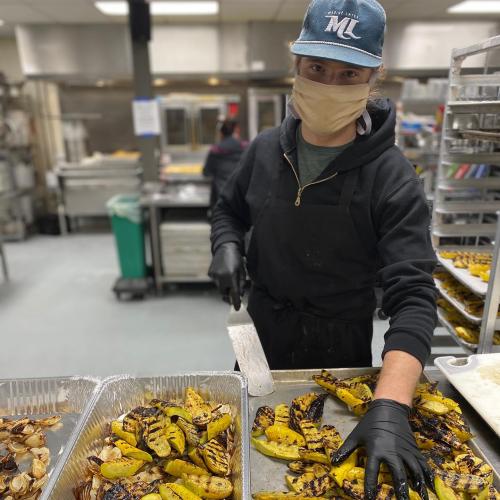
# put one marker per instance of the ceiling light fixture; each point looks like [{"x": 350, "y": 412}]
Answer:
[
  {"x": 160, "y": 82},
  {"x": 475, "y": 7},
  {"x": 203, "y": 8},
  {"x": 2, "y": 22}
]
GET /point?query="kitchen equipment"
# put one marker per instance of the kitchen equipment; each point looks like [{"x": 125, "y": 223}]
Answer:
[
  {"x": 68, "y": 397},
  {"x": 477, "y": 378},
  {"x": 268, "y": 474},
  {"x": 249, "y": 352},
  {"x": 121, "y": 394}
]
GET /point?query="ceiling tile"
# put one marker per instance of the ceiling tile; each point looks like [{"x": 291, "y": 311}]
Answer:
[
  {"x": 248, "y": 11},
  {"x": 19, "y": 13},
  {"x": 68, "y": 11},
  {"x": 423, "y": 9},
  {"x": 292, "y": 10}
]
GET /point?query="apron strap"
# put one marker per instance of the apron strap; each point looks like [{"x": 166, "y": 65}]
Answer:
[{"x": 349, "y": 187}]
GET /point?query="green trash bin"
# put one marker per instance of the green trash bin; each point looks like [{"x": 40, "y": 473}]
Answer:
[{"x": 126, "y": 221}]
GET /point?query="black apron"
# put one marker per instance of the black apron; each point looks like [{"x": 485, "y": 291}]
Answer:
[{"x": 299, "y": 257}]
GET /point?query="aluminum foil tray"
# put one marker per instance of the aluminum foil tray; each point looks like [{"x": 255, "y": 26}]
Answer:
[
  {"x": 119, "y": 395},
  {"x": 269, "y": 474},
  {"x": 44, "y": 397}
]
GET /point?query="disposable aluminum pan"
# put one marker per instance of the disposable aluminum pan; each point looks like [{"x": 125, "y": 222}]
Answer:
[
  {"x": 119, "y": 395},
  {"x": 269, "y": 474},
  {"x": 43, "y": 397}
]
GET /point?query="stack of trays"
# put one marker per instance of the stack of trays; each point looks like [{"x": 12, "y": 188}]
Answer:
[{"x": 185, "y": 249}]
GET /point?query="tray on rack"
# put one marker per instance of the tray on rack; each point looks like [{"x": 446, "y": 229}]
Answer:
[
  {"x": 68, "y": 397},
  {"x": 475, "y": 285},
  {"x": 481, "y": 135},
  {"x": 459, "y": 306},
  {"x": 460, "y": 341},
  {"x": 456, "y": 303},
  {"x": 121, "y": 394},
  {"x": 268, "y": 474},
  {"x": 477, "y": 378}
]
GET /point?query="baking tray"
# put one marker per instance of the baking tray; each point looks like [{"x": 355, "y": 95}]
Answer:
[
  {"x": 481, "y": 135},
  {"x": 459, "y": 306},
  {"x": 121, "y": 394},
  {"x": 44, "y": 397},
  {"x": 269, "y": 474},
  {"x": 474, "y": 284},
  {"x": 463, "y": 374},
  {"x": 459, "y": 340}
]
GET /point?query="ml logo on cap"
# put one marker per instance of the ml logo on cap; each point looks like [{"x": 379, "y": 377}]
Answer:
[{"x": 343, "y": 28}]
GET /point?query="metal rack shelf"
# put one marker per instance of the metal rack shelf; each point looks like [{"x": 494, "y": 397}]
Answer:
[
  {"x": 473, "y": 158},
  {"x": 475, "y": 80},
  {"x": 470, "y": 195},
  {"x": 472, "y": 348},
  {"x": 459, "y": 306},
  {"x": 463, "y": 107},
  {"x": 453, "y": 207},
  {"x": 464, "y": 230},
  {"x": 475, "y": 285},
  {"x": 484, "y": 183},
  {"x": 467, "y": 346}
]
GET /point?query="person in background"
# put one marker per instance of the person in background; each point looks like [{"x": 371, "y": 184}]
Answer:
[
  {"x": 224, "y": 157},
  {"x": 334, "y": 207}
]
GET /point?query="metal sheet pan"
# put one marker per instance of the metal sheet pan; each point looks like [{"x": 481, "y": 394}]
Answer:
[
  {"x": 120, "y": 394},
  {"x": 43, "y": 397},
  {"x": 476, "y": 285},
  {"x": 459, "y": 340},
  {"x": 269, "y": 474},
  {"x": 459, "y": 306}
]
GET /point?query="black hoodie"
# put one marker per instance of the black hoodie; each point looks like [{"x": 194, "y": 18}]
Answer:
[
  {"x": 221, "y": 162},
  {"x": 389, "y": 210}
]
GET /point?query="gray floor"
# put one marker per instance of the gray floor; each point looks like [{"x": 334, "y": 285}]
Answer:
[{"x": 58, "y": 316}]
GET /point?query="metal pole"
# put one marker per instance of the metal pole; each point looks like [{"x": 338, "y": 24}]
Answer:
[
  {"x": 139, "y": 24},
  {"x": 154, "y": 224},
  {"x": 4, "y": 262},
  {"x": 492, "y": 299}
]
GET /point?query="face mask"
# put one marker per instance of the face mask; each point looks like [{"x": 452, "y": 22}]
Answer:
[{"x": 326, "y": 109}]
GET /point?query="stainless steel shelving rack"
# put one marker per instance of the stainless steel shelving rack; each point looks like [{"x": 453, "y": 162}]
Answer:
[
  {"x": 466, "y": 213},
  {"x": 10, "y": 152}
]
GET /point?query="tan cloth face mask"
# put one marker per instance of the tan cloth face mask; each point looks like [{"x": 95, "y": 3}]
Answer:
[{"x": 327, "y": 109}]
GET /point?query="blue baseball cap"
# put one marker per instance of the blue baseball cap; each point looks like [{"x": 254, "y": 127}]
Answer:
[{"x": 350, "y": 31}]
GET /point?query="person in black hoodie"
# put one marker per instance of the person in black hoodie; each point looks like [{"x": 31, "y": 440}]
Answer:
[
  {"x": 333, "y": 207},
  {"x": 223, "y": 157}
]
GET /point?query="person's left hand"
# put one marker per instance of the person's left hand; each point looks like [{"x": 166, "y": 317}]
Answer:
[{"x": 386, "y": 435}]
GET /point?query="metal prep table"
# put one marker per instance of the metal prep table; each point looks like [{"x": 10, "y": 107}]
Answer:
[
  {"x": 191, "y": 192},
  {"x": 85, "y": 187}
]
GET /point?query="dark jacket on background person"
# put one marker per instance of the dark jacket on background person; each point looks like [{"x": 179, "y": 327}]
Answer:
[
  {"x": 389, "y": 213},
  {"x": 221, "y": 162}
]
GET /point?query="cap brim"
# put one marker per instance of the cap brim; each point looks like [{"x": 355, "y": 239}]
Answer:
[{"x": 336, "y": 53}]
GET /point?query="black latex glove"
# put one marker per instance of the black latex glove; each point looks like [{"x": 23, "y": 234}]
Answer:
[
  {"x": 386, "y": 435},
  {"x": 228, "y": 272}
]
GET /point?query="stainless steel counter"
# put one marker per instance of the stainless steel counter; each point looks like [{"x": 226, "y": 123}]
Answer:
[
  {"x": 486, "y": 439},
  {"x": 84, "y": 188},
  {"x": 156, "y": 198}
]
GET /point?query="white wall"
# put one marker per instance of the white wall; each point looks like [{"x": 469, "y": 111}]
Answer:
[
  {"x": 10, "y": 63},
  {"x": 103, "y": 51},
  {"x": 184, "y": 49},
  {"x": 428, "y": 45}
]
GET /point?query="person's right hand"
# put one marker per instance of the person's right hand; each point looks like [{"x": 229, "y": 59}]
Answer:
[{"x": 228, "y": 272}]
